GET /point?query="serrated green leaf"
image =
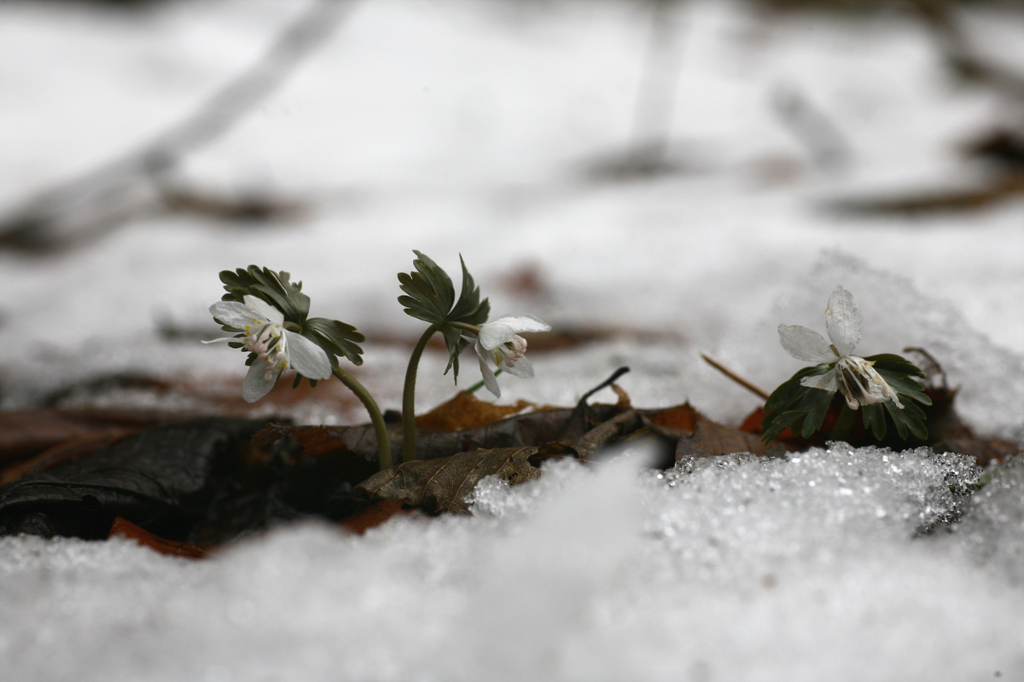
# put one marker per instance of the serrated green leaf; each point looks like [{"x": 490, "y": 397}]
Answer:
[
  {"x": 272, "y": 287},
  {"x": 453, "y": 341},
  {"x": 276, "y": 288},
  {"x": 896, "y": 364},
  {"x": 430, "y": 296},
  {"x": 874, "y": 419},
  {"x": 818, "y": 402},
  {"x": 336, "y": 338},
  {"x": 791, "y": 402},
  {"x": 430, "y": 293},
  {"x": 469, "y": 308},
  {"x": 779, "y": 424}
]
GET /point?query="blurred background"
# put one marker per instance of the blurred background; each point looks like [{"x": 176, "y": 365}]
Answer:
[{"x": 655, "y": 178}]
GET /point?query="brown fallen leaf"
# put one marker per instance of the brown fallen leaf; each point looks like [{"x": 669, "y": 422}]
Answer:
[
  {"x": 710, "y": 439},
  {"x": 443, "y": 485},
  {"x": 26, "y": 433},
  {"x": 683, "y": 417},
  {"x": 699, "y": 436},
  {"x": 73, "y": 447},
  {"x": 373, "y": 515},
  {"x": 539, "y": 426},
  {"x": 605, "y": 433},
  {"x": 127, "y": 529},
  {"x": 466, "y": 411}
]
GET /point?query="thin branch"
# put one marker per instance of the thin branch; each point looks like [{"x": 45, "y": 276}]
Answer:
[
  {"x": 738, "y": 379},
  {"x": 32, "y": 224}
]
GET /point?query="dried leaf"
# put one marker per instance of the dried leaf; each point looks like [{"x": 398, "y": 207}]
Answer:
[
  {"x": 710, "y": 439},
  {"x": 126, "y": 529},
  {"x": 683, "y": 417},
  {"x": 24, "y": 434},
  {"x": 442, "y": 485},
  {"x": 466, "y": 411},
  {"x": 698, "y": 436},
  {"x": 606, "y": 433},
  {"x": 70, "y": 449},
  {"x": 371, "y": 516},
  {"x": 164, "y": 478}
]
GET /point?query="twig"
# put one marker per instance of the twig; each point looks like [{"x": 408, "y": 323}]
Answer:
[
  {"x": 822, "y": 138},
  {"x": 35, "y": 222},
  {"x": 946, "y": 28},
  {"x": 647, "y": 153},
  {"x": 739, "y": 380}
]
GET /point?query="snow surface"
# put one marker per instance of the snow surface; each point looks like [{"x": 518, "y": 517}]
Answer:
[{"x": 468, "y": 127}]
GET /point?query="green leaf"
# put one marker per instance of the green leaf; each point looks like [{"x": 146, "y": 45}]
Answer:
[
  {"x": 817, "y": 402},
  {"x": 469, "y": 309},
  {"x": 272, "y": 287},
  {"x": 454, "y": 342},
  {"x": 336, "y": 338},
  {"x": 429, "y": 289},
  {"x": 430, "y": 296},
  {"x": 874, "y": 419},
  {"x": 791, "y": 404},
  {"x": 276, "y": 288}
]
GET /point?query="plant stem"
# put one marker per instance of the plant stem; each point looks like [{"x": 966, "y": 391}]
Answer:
[
  {"x": 383, "y": 441},
  {"x": 409, "y": 397},
  {"x": 471, "y": 328},
  {"x": 480, "y": 384},
  {"x": 738, "y": 379}
]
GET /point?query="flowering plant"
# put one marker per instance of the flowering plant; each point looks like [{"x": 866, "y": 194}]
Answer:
[
  {"x": 268, "y": 317},
  {"x": 430, "y": 296},
  {"x": 499, "y": 347},
  {"x": 877, "y": 385},
  {"x": 272, "y": 347}
]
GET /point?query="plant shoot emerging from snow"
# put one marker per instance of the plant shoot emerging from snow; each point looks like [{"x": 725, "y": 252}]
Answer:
[{"x": 877, "y": 385}]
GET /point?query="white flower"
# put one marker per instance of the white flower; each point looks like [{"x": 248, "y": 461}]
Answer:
[
  {"x": 276, "y": 348},
  {"x": 499, "y": 346},
  {"x": 854, "y": 377}
]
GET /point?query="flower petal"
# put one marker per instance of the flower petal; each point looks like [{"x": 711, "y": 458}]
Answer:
[
  {"x": 843, "y": 320},
  {"x": 221, "y": 339},
  {"x": 523, "y": 368},
  {"x": 490, "y": 381},
  {"x": 826, "y": 381},
  {"x": 256, "y": 383},
  {"x": 805, "y": 344},
  {"x": 264, "y": 309},
  {"x": 523, "y": 323},
  {"x": 231, "y": 314},
  {"x": 493, "y": 334},
  {"x": 307, "y": 358}
]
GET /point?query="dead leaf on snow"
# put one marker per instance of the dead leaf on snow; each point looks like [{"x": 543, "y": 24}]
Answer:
[
  {"x": 701, "y": 437},
  {"x": 443, "y": 485},
  {"x": 466, "y": 411}
]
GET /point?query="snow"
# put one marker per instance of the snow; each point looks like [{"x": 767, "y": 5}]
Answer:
[
  {"x": 806, "y": 568},
  {"x": 467, "y": 127}
]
